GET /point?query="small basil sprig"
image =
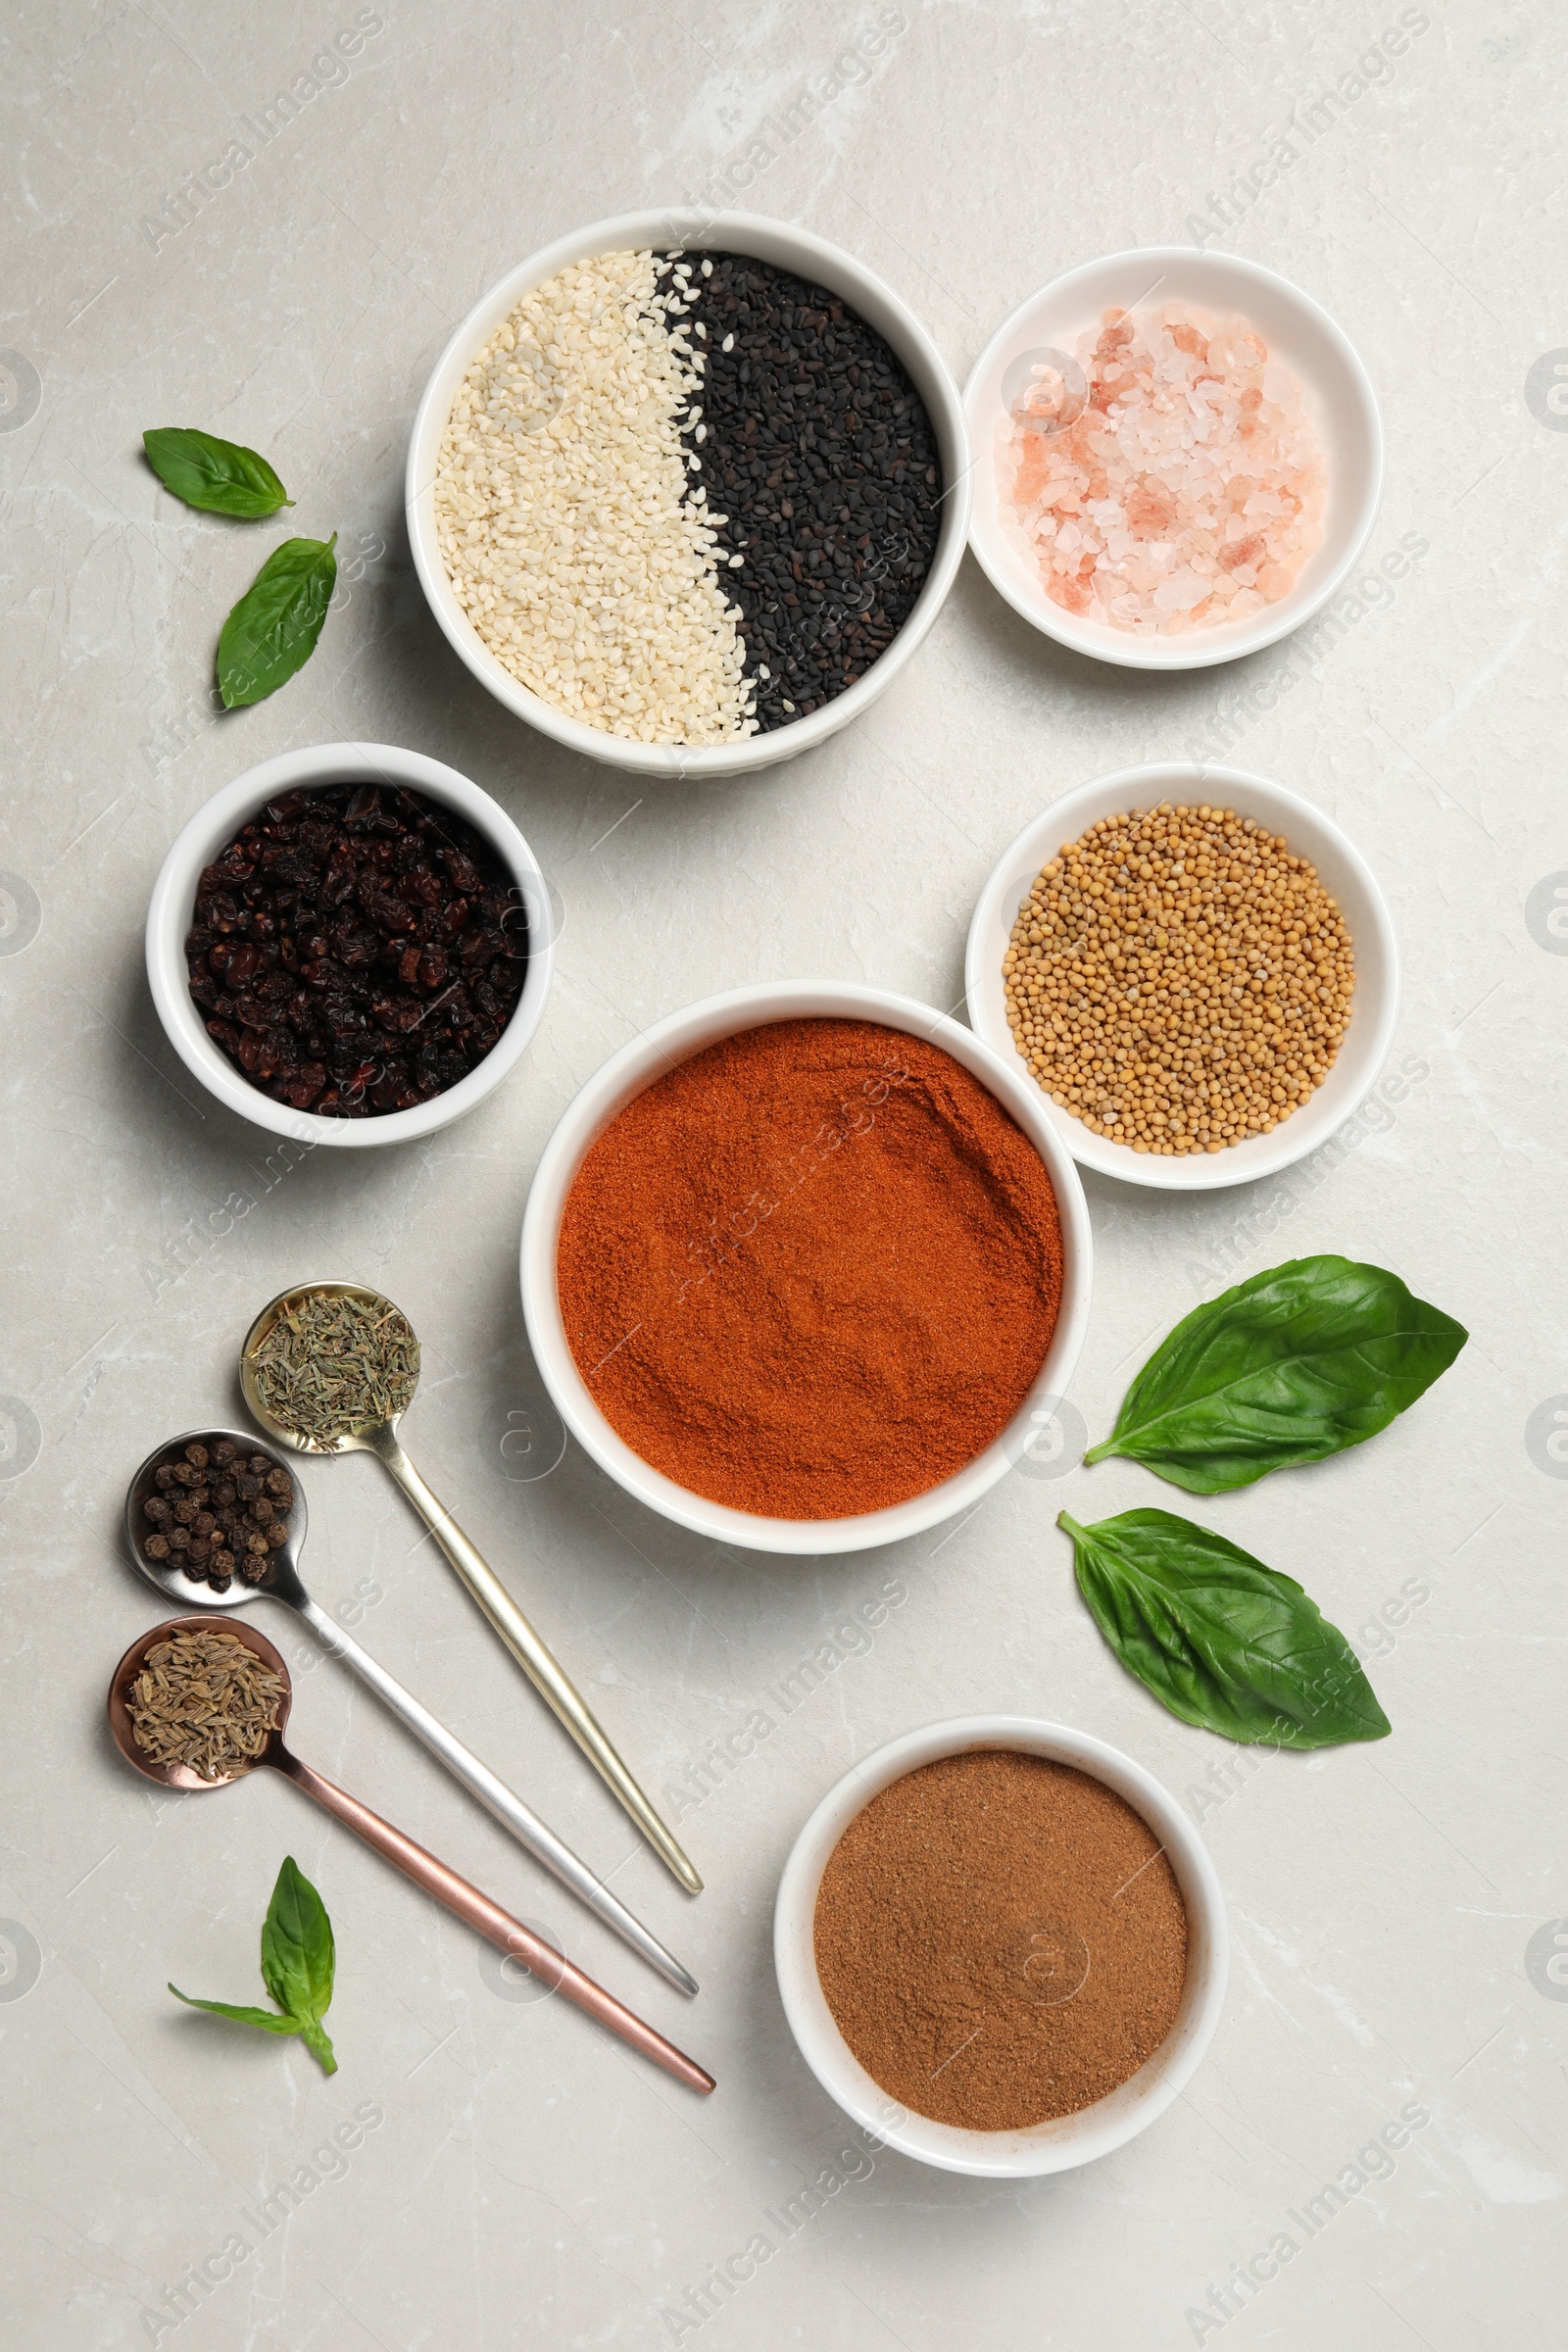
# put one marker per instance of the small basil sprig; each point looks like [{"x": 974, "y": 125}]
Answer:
[
  {"x": 221, "y": 477},
  {"x": 298, "y": 1961},
  {"x": 1221, "y": 1641},
  {"x": 1294, "y": 1364},
  {"x": 273, "y": 630}
]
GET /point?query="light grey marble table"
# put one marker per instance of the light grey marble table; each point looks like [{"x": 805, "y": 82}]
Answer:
[{"x": 513, "y": 2176}]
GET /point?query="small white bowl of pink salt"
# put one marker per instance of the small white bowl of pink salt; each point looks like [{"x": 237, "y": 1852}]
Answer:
[{"x": 1178, "y": 458}]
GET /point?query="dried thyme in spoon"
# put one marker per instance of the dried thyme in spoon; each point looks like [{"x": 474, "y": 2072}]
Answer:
[
  {"x": 205, "y": 1700},
  {"x": 330, "y": 1366}
]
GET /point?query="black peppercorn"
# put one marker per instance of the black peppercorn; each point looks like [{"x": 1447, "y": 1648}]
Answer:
[{"x": 248, "y": 1518}]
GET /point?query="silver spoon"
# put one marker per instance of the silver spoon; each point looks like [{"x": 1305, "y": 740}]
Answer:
[
  {"x": 538, "y": 1663},
  {"x": 282, "y": 1582}
]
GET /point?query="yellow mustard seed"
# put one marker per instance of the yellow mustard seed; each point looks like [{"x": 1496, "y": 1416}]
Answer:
[{"x": 1178, "y": 979}]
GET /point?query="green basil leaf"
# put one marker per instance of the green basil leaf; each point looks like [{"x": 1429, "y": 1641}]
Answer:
[
  {"x": 298, "y": 1957},
  {"x": 273, "y": 630},
  {"x": 315, "y": 2039},
  {"x": 1289, "y": 1367},
  {"x": 266, "y": 2019},
  {"x": 1219, "y": 1639},
  {"x": 221, "y": 477}
]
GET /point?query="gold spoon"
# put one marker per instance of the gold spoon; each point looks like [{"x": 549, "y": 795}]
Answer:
[
  {"x": 538, "y": 1663},
  {"x": 476, "y": 1910}
]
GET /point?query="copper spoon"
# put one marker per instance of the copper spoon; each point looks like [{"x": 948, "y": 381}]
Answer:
[
  {"x": 476, "y": 1910},
  {"x": 543, "y": 1670},
  {"x": 280, "y": 1581}
]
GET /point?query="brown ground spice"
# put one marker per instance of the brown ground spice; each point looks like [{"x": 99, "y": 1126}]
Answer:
[
  {"x": 813, "y": 1271},
  {"x": 1001, "y": 1939}
]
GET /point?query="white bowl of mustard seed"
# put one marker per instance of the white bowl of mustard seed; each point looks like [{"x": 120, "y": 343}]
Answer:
[
  {"x": 598, "y": 616},
  {"x": 333, "y": 768},
  {"x": 1161, "y": 1042}
]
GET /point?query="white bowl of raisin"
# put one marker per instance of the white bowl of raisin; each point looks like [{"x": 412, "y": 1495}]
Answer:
[{"x": 349, "y": 944}]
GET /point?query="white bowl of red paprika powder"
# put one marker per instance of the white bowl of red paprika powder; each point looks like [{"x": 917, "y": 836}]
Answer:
[{"x": 854, "y": 1370}]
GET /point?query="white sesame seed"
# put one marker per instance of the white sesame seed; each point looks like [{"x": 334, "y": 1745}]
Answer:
[{"x": 569, "y": 525}]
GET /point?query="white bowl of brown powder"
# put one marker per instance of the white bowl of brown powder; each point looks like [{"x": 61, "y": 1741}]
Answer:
[{"x": 1000, "y": 1947}]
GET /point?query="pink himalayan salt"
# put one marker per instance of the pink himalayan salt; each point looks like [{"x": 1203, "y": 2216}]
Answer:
[{"x": 1178, "y": 485}]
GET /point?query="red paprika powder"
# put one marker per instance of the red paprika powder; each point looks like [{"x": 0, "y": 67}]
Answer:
[{"x": 813, "y": 1271}]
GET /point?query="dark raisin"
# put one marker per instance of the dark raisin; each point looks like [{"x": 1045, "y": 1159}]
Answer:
[{"x": 322, "y": 941}]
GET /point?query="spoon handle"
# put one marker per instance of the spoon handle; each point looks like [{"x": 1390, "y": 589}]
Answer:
[
  {"x": 520, "y": 1818},
  {"x": 536, "y": 1661},
  {"x": 498, "y": 1927}
]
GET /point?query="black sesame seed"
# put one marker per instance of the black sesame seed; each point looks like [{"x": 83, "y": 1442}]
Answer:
[{"x": 837, "y": 522}]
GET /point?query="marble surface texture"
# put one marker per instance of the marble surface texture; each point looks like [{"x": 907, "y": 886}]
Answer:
[{"x": 524, "y": 2182}]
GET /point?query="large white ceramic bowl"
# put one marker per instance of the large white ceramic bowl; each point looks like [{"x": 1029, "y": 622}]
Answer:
[
  {"x": 1344, "y": 873},
  {"x": 1071, "y": 2139},
  {"x": 787, "y": 248},
  {"x": 624, "y": 1076},
  {"x": 1299, "y": 333},
  {"x": 174, "y": 900}
]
